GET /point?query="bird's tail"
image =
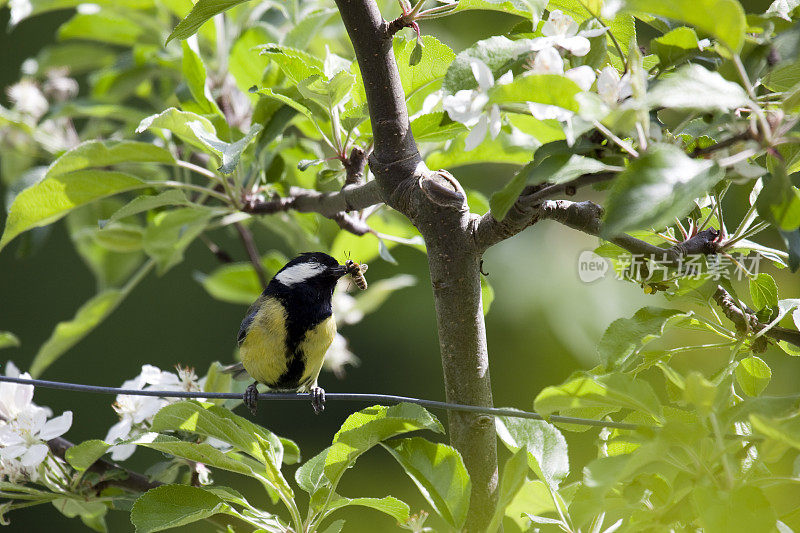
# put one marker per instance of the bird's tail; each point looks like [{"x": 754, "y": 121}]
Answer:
[{"x": 238, "y": 371}]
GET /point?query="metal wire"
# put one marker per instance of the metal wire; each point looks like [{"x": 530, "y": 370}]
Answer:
[{"x": 342, "y": 396}]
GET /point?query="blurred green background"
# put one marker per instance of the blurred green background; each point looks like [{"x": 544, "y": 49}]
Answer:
[{"x": 544, "y": 322}]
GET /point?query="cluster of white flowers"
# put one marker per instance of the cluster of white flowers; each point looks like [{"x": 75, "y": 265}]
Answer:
[
  {"x": 136, "y": 412},
  {"x": 560, "y": 32},
  {"x": 25, "y": 429}
]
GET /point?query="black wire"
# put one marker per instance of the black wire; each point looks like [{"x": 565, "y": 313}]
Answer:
[{"x": 344, "y": 396}]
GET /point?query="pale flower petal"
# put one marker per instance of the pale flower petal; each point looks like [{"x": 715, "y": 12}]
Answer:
[
  {"x": 12, "y": 452},
  {"x": 559, "y": 25},
  {"x": 583, "y": 76},
  {"x": 11, "y": 370},
  {"x": 477, "y": 134},
  {"x": 35, "y": 455},
  {"x": 483, "y": 74},
  {"x": 119, "y": 431},
  {"x": 57, "y": 426},
  {"x": 577, "y": 45},
  {"x": 506, "y": 78},
  {"x": 545, "y": 112},
  {"x": 548, "y": 61},
  {"x": 122, "y": 451},
  {"x": 495, "y": 123}
]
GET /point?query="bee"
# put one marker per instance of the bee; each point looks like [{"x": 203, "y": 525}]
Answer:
[{"x": 356, "y": 271}]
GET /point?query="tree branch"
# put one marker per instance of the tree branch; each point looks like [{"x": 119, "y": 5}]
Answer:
[
  {"x": 488, "y": 231},
  {"x": 350, "y": 198},
  {"x": 745, "y": 319}
]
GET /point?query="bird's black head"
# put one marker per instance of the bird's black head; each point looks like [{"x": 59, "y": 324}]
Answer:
[{"x": 311, "y": 270}]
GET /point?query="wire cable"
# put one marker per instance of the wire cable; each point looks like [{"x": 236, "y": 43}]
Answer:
[{"x": 342, "y": 396}]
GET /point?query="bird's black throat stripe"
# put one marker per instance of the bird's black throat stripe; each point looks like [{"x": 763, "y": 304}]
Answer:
[{"x": 306, "y": 304}]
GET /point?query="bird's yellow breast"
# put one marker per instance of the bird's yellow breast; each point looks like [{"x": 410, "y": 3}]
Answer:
[
  {"x": 314, "y": 345},
  {"x": 263, "y": 351}
]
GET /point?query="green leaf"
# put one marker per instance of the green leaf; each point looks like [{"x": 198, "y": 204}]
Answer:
[
  {"x": 146, "y": 203},
  {"x": 675, "y": 46},
  {"x": 783, "y": 78},
  {"x": 388, "y": 505},
  {"x": 91, "y": 513},
  {"x": 238, "y": 283},
  {"x": 613, "y": 391},
  {"x": 179, "y": 123},
  {"x": 169, "y": 233},
  {"x": 198, "y": 452},
  {"x": 8, "y": 340},
  {"x": 547, "y": 449},
  {"x": 52, "y": 198},
  {"x": 779, "y": 202},
  {"x": 557, "y": 168},
  {"x": 533, "y": 498},
  {"x": 522, "y": 8},
  {"x": 110, "y": 268},
  {"x": 171, "y": 506},
  {"x": 213, "y": 421},
  {"x": 83, "y": 455},
  {"x": 693, "y": 87},
  {"x": 656, "y": 187},
  {"x": 105, "y": 153},
  {"x": 753, "y": 375},
  {"x": 229, "y": 153},
  {"x": 746, "y": 508},
  {"x": 548, "y": 89},
  {"x": 296, "y": 64},
  {"x": 626, "y": 336},
  {"x": 311, "y": 475},
  {"x": 435, "y": 127},
  {"x": 202, "y": 11},
  {"x": 194, "y": 72},
  {"x": 103, "y": 27},
  {"x": 68, "y": 333},
  {"x": 724, "y": 19},
  {"x": 499, "y": 54},
  {"x": 439, "y": 473},
  {"x": 235, "y": 283},
  {"x": 513, "y": 478},
  {"x": 763, "y": 291},
  {"x": 366, "y": 428},
  {"x": 699, "y": 392},
  {"x": 786, "y": 431},
  {"x": 432, "y": 66}
]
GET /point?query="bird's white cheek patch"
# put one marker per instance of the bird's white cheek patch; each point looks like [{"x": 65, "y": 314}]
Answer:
[{"x": 299, "y": 273}]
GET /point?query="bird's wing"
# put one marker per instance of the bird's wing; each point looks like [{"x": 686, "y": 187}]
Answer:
[
  {"x": 248, "y": 319},
  {"x": 237, "y": 369}
]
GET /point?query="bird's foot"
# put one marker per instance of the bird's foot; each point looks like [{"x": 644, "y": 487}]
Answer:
[
  {"x": 318, "y": 399},
  {"x": 250, "y": 397}
]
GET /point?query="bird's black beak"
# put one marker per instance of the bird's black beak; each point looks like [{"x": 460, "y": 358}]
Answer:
[{"x": 339, "y": 271}]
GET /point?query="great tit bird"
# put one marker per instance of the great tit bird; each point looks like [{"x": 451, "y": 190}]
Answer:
[{"x": 284, "y": 337}]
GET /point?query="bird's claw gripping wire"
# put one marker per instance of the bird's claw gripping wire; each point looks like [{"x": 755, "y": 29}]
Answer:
[
  {"x": 318, "y": 399},
  {"x": 250, "y": 397}
]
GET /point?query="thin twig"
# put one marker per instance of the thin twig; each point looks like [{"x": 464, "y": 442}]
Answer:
[{"x": 252, "y": 252}]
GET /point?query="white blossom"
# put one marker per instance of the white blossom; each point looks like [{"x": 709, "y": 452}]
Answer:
[
  {"x": 20, "y": 9},
  {"x": 560, "y": 30},
  {"x": 24, "y": 439},
  {"x": 27, "y": 99},
  {"x": 549, "y": 61},
  {"x": 611, "y": 88},
  {"x": 59, "y": 86},
  {"x": 338, "y": 356},
  {"x": 468, "y": 106}
]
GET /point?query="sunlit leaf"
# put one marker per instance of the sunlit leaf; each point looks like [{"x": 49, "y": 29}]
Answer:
[
  {"x": 202, "y": 11},
  {"x": 656, "y": 187},
  {"x": 171, "y": 506},
  {"x": 753, "y": 375},
  {"x": 439, "y": 473},
  {"x": 52, "y": 198}
]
